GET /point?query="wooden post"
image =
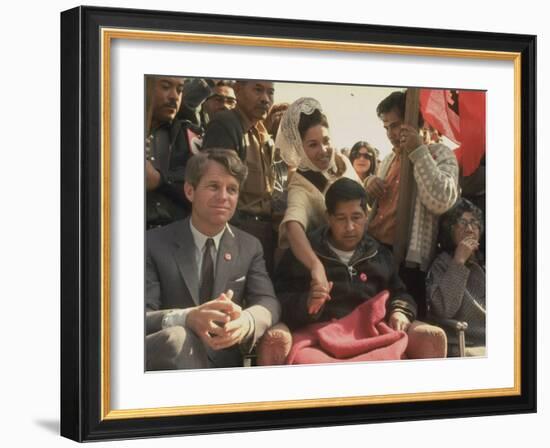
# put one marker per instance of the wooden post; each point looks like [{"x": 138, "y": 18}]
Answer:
[{"x": 406, "y": 183}]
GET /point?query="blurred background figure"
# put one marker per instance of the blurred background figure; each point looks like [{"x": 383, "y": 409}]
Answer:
[
  {"x": 281, "y": 171},
  {"x": 364, "y": 158},
  {"x": 345, "y": 152},
  {"x": 205, "y": 97},
  {"x": 195, "y": 93},
  {"x": 222, "y": 98},
  {"x": 273, "y": 119},
  {"x": 430, "y": 134}
]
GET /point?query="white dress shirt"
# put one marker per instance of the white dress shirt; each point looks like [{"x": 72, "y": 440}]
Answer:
[{"x": 200, "y": 246}]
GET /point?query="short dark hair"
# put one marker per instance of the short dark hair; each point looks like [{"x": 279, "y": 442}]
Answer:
[
  {"x": 225, "y": 83},
  {"x": 396, "y": 101},
  {"x": 451, "y": 217},
  {"x": 372, "y": 154},
  {"x": 345, "y": 190},
  {"x": 308, "y": 121},
  {"x": 196, "y": 166}
]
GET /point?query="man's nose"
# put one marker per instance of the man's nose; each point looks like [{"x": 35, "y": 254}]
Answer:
[
  {"x": 349, "y": 225},
  {"x": 223, "y": 193},
  {"x": 173, "y": 93},
  {"x": 265, "y": 98}
]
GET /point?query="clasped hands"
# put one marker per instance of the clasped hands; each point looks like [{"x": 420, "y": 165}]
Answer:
[{"x": 220, "y": 322}]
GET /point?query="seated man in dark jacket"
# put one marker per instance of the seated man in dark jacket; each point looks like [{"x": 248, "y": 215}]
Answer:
[{"x": 358, "y": 267}]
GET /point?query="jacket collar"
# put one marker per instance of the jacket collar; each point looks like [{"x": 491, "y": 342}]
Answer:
[
  {"x": 319, "y": 238},
  {"x": 228, "y": 254},
  {"x": 185, "y": 260}
]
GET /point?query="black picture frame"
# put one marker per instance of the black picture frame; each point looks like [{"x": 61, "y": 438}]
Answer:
[{"x": 83, "y": 409}]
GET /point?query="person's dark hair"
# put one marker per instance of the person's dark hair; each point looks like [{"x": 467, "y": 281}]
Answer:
[
  {"x": 345, "y": 190},
  {"x": 451, "y": 217},
  {"x": 308, "y": 121},
  {"x": 396, "y": 101},
  {"x": 196, "y": 166},
  {"x": 372, "y": 151},
  {"x": 225, "y": 83}
]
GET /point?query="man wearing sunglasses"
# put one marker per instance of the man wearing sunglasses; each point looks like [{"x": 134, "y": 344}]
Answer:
[{"x": 222, "y": 98}]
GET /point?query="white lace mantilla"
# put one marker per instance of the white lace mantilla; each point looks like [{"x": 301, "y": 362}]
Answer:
[{"x": 288, "y": 138}]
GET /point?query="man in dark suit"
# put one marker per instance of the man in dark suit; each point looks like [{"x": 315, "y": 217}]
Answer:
[{"x": 208, "y": 296}]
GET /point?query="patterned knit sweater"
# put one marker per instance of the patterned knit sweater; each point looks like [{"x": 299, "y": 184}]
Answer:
[
  {"x": 457, "y": 291},
  {"x": 435, "y": 171}
]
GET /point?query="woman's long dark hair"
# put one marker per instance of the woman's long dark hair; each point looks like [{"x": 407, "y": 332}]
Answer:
[
  {"x": 313, "y": 119},
  {"x": 373, "y": 154}
]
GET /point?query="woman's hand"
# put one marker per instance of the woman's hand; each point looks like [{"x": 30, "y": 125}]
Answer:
[
  {"x": 318, "y": 295},
  {"x": 318, "y": 274},
  {"x": 465, "y": 249}
]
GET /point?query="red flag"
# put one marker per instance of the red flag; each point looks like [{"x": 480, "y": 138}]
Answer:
[
  {"x": 467, "y": 128},
  {"x": 471, "y": 106},
  {"x": 434, "y": 105}
]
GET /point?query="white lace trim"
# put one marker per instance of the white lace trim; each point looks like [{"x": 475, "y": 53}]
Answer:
[{"x": 288, "y": 138}]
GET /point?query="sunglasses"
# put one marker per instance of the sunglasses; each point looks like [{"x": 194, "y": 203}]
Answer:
[{"x": 363, "y": 155}]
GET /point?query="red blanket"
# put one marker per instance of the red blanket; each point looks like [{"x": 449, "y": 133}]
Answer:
[{"x": 362, "y": 335}]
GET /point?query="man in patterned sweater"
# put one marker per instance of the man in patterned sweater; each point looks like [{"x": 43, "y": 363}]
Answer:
[{"x": 435, "y": 190}]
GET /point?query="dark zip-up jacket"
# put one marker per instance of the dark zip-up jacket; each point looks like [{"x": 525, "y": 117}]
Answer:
[{"x": 370, "y": 270}]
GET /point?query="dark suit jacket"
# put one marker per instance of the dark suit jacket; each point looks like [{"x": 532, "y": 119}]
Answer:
[{"x": 172, "y": 280}]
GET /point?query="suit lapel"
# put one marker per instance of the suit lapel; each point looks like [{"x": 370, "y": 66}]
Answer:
[
  {"x": 184, "y": 255},
  {"x": 228, "y": 254}
]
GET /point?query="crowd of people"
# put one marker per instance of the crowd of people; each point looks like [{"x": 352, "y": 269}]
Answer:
[{"x": 264, "y": 239}]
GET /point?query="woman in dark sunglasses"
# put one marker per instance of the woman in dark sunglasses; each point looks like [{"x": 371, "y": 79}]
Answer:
[{"x": 363, "y": 157}]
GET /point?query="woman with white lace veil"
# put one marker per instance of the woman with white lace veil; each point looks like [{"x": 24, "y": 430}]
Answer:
[{"x": 304, "y": 141}]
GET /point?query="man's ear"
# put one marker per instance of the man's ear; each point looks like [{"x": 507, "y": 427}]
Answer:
[{"x": 189, "y": 191}]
